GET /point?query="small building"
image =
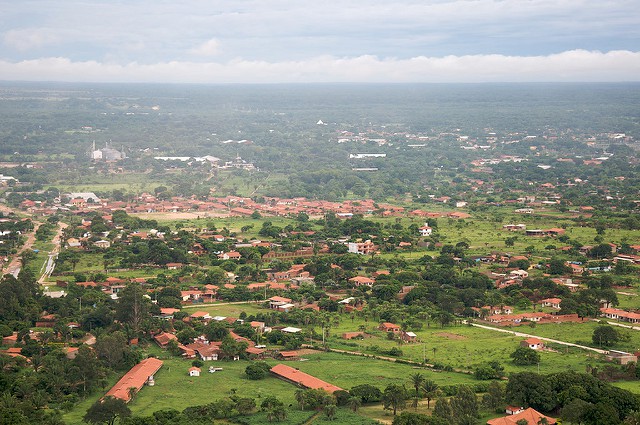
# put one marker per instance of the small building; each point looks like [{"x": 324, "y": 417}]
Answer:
[
  {"x": 389, "y": 327},
  {"x": 532, "y": 343},
  {"x": 551, "y": 302},
  {"x": 102, "y": 244},
  {"x": 194, "y": 371},
  {"x": 513, "y": 410},
  {"x": 362, "y": 248},
  {"x": 163, "y": 339},
  {"x": 409, "y": 337},
  {"x": 425, "y": 230},
  {"x": 288, "y": 355},
  {"x": 621, "y": 357},
  {"x": 362, "y": 281},
  {"x": 200, "y": 315},
  {"x": 352, "y": 335},
  {"x": 275, "y": 302},
  {"x": 530, "y": 416}
]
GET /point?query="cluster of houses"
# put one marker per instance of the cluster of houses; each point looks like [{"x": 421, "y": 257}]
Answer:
[{"x": 85, "y": 202}]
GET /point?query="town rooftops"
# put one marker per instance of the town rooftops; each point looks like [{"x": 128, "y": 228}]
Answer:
[{"x": 307, "y": 381}]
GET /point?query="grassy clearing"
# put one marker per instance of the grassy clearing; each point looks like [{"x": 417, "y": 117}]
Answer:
[
  {"x": 175, "y": 389},
  {"x": 461, "y": 347}
]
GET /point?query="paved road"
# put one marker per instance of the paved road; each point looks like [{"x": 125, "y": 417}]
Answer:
[{"x": 597, "y": 350}]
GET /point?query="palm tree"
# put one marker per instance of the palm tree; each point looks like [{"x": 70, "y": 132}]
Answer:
[
  {"x": 133, "y": 391},
  {"x": 431, "y": 391},
  {"x": 354, "y": 403},
  {"x": 417, "y": 380},
  {"x": 330, "y": 411},
  {"x": 299, "y": 395}
]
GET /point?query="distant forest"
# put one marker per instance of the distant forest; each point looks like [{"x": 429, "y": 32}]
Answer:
[{"x": 303, "y": 158}]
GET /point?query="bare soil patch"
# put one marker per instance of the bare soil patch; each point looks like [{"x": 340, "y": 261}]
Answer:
[{"x": 449, "y": 335}]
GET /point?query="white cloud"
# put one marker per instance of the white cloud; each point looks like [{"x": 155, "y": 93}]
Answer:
[
  {"x": 574, "y": 65},
  {"x": 29, "y": 38},
  {"x": 208, "y": 48}
]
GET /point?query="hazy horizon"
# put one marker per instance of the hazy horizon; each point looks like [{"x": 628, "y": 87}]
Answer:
[{"x": 291, "y": 42}]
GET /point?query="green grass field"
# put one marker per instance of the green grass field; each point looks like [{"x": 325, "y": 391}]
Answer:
[{"x": 175, "y": 389}]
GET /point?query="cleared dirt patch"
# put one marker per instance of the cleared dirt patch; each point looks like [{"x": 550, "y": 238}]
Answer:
[
  {"x": 449, "y": 335},
  {"x": 304, "y": 351}
]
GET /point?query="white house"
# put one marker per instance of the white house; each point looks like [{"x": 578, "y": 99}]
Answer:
[
  {"x": 194, "y": 371},
  {"x": 532, "y": 343},
  {"x": 425, "y": 230}
]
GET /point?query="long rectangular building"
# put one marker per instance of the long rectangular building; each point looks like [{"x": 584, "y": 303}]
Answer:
[
  {"x": 297, "y": 377},
  {"x": 136, "y": 378}
]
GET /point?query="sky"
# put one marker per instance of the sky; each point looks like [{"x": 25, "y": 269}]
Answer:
[{"x": 304, "y": 41}]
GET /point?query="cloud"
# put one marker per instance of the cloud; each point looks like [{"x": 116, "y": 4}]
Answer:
[
  {"x": 568, "y": 66},
  {"x": 208, "y": 48},
  {"x": 29, "y": 38}
]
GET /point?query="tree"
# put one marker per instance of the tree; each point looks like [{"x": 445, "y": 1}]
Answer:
[
  {"x": 112, "y": 347},
  {"x": 431, "y": 391},
  {"x": 605, "y": 336},
  {"x": 443, "y": 410},
  {"x": 330, "y": 411},
  {"x": 464, "y": 404},
  {"x": 494, "y": 398},
  {"x": 313, "y": 398},
  {"x": 216, "y": 331},
  {"x": 531, "y": 390},
  {"x": 269, "y": 403},
  {"x": 354, "y": 403},
  {"x": 277, "y": 413},
  {"x": 367, "y": 393},
  {"x": 257, "y": 370},
  {"x": 417, "y": 380},
  {"x": 133, "y": 305},
  {"x": 245, "y": 405},
  {"x": 575, "y": 410},
  {"x": 106, "y": 411},
  {"x": 524, "y": 356},
  {"x": 394, "y": 397}
]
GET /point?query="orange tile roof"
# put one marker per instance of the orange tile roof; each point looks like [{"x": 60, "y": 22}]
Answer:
[
  {"x": 135, "y": 378},
  {"x": 532, "y": 416},
  {"x": 291, "y": 374}
]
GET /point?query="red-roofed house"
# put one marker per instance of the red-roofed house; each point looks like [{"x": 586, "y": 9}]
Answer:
[
  {"x": 389, "y": 327},
  {"x": 136, "y": 378},
  {"x": 533, "y": 343},
  {"x": 302, "y": 379},
  {"x": 362, "y": 281},
  {"x": 202, "y": 315},
  {"x": 551, "y": 302},
  {"x": 164, "y": 338},
  {"x": 530, "y": 415}
]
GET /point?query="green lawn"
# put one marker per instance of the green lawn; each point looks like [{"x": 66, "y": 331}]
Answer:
[
  {"x": 461, "y": 347},
  {"x": 175, "y": 389}
]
